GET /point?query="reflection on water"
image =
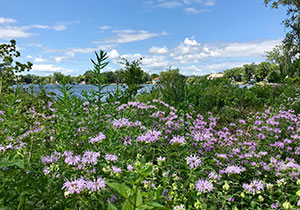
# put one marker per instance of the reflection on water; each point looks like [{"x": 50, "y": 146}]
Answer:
[{"x": 77, "y": 89}]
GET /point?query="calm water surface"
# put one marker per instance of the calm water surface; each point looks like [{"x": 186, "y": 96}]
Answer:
[{"x": 77, "y": 89}]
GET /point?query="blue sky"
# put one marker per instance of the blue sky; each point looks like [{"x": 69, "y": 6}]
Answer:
[{"x": 197, "y": 36}]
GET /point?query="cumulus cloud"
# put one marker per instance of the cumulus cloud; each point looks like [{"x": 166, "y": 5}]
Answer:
[
  {"x": 7, "y": 20},
  {"x": 9, "y": 32},
  {"x": 192, "y": 57},
  {"x": 40, "y": 60},
  {"x": 113, "y": 54},
  {"x": 158, "y": 50},
  {"x": 126, "y": 36},
  {"x": 190, "y": 51},
  {"x": 49, "y": 68}
]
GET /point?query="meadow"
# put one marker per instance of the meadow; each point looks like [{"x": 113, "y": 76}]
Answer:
[{"x": 74, "y": 153}]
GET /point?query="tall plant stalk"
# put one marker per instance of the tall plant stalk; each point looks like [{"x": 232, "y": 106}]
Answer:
[{"x": 99, "y": 64}]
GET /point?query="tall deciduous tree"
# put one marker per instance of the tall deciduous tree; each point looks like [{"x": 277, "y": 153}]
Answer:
[
  {"x": 133, "y": 77},
  {"x": 292, "y": 22},
  {"x": 9, "y": 67}
]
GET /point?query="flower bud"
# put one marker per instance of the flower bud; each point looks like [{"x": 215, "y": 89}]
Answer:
[
  {"x": 287, "y": 205},
  {"x": 260, "y": 198},
  {"x": 226, "y": 186}
]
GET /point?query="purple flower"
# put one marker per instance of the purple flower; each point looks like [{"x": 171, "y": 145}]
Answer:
[
  {"x": 123, "y": 122},
  {"x": 116, "y": 169},
  {"x": 234, "y": 169},
  {"x": 179, "y": 207},
  {"x": 111, "y": 157},
  {"x": 98, "y": 138},
  {"x": 150, "y": 136},
  {"x": 214, "y": 176},
  {"x": 75, "y": 186},
  {"x": 261, "y": 136},
  {"x": 96, "y": 185},
  {"x": 177, "y": 140},
  {"x": 204, "y": 186},
  {"x": 254, "y": 187},
  {"x": 70, "y": 160},
  {"x": 46, "y": 170},
  {"x": 241, "y": 121},
  {"x": 275, "y": 205},
  {"x": 49, "y": 159},
  {"x": 161, "y": 159},
  {"x": 90, "y": 157},
  {"x": 193, "y": 161},
  {"x": 130, "y": 167}
]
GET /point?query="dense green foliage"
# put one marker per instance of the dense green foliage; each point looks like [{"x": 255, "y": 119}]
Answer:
[
  {"x": 292, "y": 22},
  {"x": 8, "y": 66}
]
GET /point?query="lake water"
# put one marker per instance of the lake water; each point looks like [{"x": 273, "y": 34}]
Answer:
[{"x": 77, "y": 89}]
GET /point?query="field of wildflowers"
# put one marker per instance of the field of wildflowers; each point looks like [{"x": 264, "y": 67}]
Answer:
[{"x": 81, "y": 154}]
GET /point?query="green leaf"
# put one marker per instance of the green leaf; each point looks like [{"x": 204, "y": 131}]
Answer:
[
  {"x": 122, "y": 189},
  {"x": 127, "y": 206},
  {"x": 111, "y": 206},
  {"x": 139, "y": 199},
  {"x": 156, "y": 205}
]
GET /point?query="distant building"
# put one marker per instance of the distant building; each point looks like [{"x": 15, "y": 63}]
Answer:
[
  {"x": 216, "y": 75},
  {"x": 155, "y": 80}
]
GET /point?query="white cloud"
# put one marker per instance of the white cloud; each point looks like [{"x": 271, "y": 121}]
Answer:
[
  {"x": 169, "y": 4},
  {"x": 190, "y": 51},
  {"x": 209, "y": 2},
  {"x": 7, "y": 20},
  {"x": 126, "y": 36},
  {"x": 59, "y": 27},
  {"x": 104, "y": 28},
  {"x": 194, "y": 10},
  {"x": 155, "y": 63},
  {"x": 191, "y": 57},
  {"x": 49, "y": 68},
  {"x": 113, "y": 54},
  {"x": 203, "y": 69},
  {"x": 10, "y": 32},
  {"x": 40, "y": 60},
  {"x": 158, "y": 50},
  {"x": 190, "y": 42}
]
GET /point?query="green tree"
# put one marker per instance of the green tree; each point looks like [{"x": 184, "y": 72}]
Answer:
[
  {"x": 292, "y": 22},
  {"x": 133, "y": 77},
  {"x": 58, "y": 76},
  {"x": 264, "y": 69},
  {"x": 88, "y": 77},
  {"x": 119, "y": 76},
  {"x": 172, "y": 86},
  {"x": 9, "y": 67},
  {"x": 110, "y": 77},
  {"x": 283, "y": 56},
  {"x": 249, "y": 71}
]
